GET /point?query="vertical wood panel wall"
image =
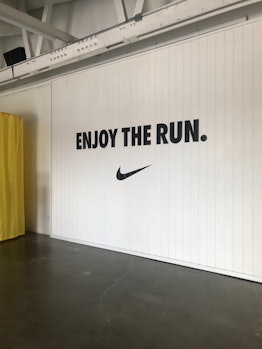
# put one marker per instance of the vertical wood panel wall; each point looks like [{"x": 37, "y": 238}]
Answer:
[{"x": 199, "y": 203}]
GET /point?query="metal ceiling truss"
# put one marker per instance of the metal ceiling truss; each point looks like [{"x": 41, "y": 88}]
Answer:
[
  {"x": 45, "y": 19},
  {"x": 170, "y": 17},
  {"x": 120, "y": 11},
  {"x": 25, "y": 33},
  {"x": 139, "y": 7},
  {"x": 32, "y": 24}
]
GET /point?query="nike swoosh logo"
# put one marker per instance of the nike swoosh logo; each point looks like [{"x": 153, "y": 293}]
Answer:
[{"x": 120, "y": 176}]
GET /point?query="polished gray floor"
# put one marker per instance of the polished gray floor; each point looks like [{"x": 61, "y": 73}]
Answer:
[{"x": 56, "y": 294}]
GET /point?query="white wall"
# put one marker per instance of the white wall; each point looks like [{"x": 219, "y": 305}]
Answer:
[
  {"x": 34, "y": 106},
  {"x": 199, "y": 203}
]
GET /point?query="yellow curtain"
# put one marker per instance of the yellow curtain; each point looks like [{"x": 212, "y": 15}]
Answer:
[{"x": 12, "y": 221}]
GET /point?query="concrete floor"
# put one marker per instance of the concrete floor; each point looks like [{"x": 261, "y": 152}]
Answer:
[{"x": 55, "y": 294}]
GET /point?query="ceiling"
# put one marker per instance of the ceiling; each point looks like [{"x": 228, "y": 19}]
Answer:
[{"x": 7, "y": 29}]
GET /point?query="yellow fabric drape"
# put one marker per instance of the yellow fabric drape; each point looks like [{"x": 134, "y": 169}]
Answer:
[{"x": 12, "y": 221}]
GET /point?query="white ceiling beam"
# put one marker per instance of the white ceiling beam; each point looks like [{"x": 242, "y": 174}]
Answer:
[
  {"x": 46, "y": 19},
  {"x": 34, "y": 25},
  {"x": 25, "y": 34},
  {"x": 9, "y": 3},
  {"x": 120, "y": 11},
  {"x": 36, "y": 4},
  {"x": 171, "y": 17},
  {"x": 139, "y": 7}
]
